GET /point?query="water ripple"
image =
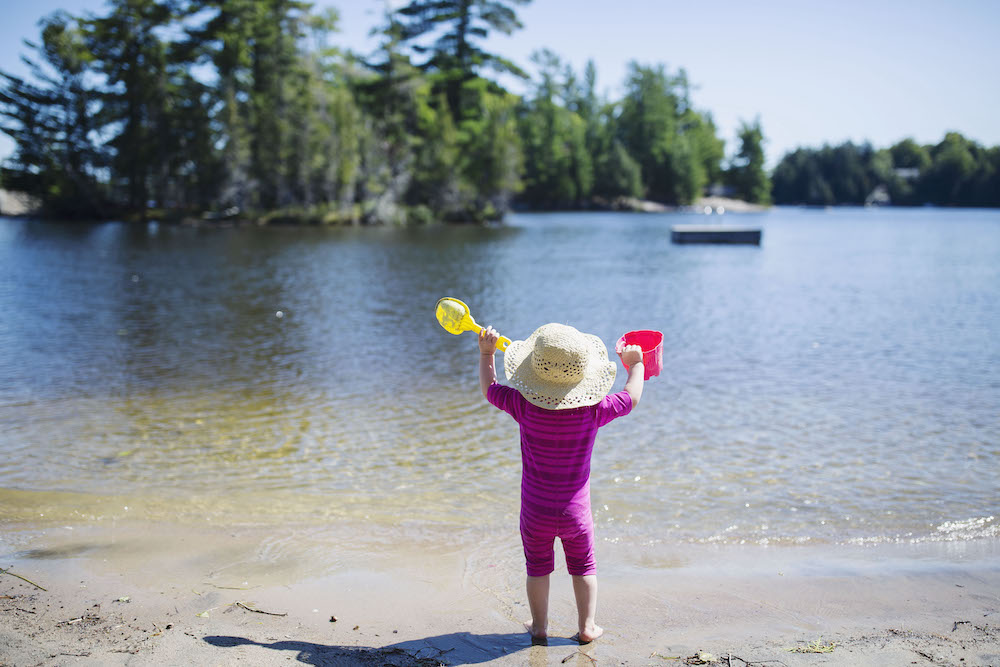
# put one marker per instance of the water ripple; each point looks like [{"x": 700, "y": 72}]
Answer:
[{"x": 835, "y": 385}]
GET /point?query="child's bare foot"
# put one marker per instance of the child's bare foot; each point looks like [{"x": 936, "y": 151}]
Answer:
[
  {"x": 538, "y": 638},
  {"x": 589, "y": 634}
]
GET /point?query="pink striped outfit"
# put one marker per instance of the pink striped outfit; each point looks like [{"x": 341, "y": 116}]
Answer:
[{"x": 555, "y": 476}]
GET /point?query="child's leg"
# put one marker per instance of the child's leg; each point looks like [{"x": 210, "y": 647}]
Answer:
[
  {"x": 538, "y": 602},
  {"x": 578, "y": 545},
  {"x": 538, "y": 538},
  {"x": 585, "y": 589}
]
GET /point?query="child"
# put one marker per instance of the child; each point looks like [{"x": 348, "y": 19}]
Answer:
[{"x": 560, "y": 379}]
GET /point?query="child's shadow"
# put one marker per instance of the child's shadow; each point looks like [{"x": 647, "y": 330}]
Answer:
[{"x": 455, "y": 648}]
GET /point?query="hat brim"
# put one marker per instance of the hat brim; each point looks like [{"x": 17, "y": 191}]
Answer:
[{"x": 595, "y": 385}]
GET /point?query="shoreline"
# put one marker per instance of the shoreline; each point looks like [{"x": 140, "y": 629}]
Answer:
[
  {"x": 20, "y": 205},
  {"x": 168, "y": 594}
]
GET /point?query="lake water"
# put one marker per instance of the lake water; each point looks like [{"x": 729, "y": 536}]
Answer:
[{"x": 837, "y": 384}]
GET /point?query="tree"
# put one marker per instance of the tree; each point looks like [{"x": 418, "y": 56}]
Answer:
[
  {"x": 674, "y": 144},
  {"x": 615, "y": 173},
  {"x": 908, "y": 161},
  {"x": 986, "y": 182},
  {"x": 948, "y": 179},
  {"x": 747, "y": 174},
  {"x": 276, "y": 71},
  {"x": 131, "y": 58},
  {"x": 224, "y": 42},
  {"x": 51, "y": 123},
  {"x": 495, "y": 158},
  {"x": 396, "y": 96},
  {"x": 647, "y": 127},
  {"x": 908, "y": 154},
  {"x": 707, "y": 145},
  {"x": 558, "y": 167},
  {"x": 844, "y": 174},
  {"x": 454, "y": 54}
]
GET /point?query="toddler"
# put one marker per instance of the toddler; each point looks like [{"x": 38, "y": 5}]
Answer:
[{"x": 559, "y": 381}]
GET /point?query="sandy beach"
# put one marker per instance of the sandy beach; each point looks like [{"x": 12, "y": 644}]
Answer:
[{"x": 164, "y": 594}]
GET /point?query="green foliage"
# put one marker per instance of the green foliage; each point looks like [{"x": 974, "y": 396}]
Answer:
[
  {"x": 747, "y": 175},
  {"x": 844, "y": 174},
  {"x": 243, "y": 107},
  {"x": 51, "y": 123},
  {"x": 618, "y": 174},
  {"x": 454, "y": 54},
  {"x": 949, "y": 178},
  {"x": 558, "y": 167},
  {"x": 954, "y": 172},
  {"x": 496, "y": 152},
  {"x": 674, "y": 144},
  {"x": 133, "y": 63},
  {"x": 908, "y": 154}
]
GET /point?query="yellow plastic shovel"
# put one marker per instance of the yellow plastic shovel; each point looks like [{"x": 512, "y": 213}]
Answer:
[{"x": 455, "y": 317}]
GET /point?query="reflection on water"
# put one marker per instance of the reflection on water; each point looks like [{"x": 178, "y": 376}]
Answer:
[{"x": 836, "y": 384}]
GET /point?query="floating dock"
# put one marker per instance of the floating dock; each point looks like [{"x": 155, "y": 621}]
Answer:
[{"x": 715, "y": 234}]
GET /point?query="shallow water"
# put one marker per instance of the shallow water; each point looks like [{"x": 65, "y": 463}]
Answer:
[{"x": 836, "y": 384}]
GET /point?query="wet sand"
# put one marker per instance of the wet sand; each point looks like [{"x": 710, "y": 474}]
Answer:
[{"x": 163, "y": 594}]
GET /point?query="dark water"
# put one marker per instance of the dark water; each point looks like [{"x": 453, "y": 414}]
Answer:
[{"x": 837, "y": 384}]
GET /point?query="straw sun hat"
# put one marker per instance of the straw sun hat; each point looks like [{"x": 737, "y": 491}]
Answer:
[{"x": 559, "y": 368}]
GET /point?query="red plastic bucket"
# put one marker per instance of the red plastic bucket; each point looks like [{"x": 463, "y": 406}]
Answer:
[{"x": 651, "y": 343}]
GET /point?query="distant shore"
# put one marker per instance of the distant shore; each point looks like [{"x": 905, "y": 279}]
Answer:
[
  {"x": 131, "y": 594},
  {"x": 717, "y": 205},
  {"x": 17, "y": 204}
]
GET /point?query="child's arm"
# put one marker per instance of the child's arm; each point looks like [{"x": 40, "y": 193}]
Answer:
[
  {"x": 632, "y": 357},
  {"x": 488, "y": 338}
]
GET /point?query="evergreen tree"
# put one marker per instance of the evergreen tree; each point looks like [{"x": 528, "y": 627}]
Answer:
[
  {"x": 674, "y": 144},
  {"x": 949, "y": 178},
  {"x": 498, "y": 157},
  {"x": 224, "y": 42},
  {"x": 616, "y": 173},
  {"x": 844, "y": 174},
  {"x": 50, "y": 121},
  {"x": 397, "y": 98},
  {"x": 558, "y": 168},
  {"x": 709, "y": 148},
  {"x": 747, "y": 174},
  {"x": 457, "y": 25},
  {"x": 647, "y": 127},
  {"x": 908, "y": 160},
  {"x": 276, "y": 69},
  {"x": 131, "y": 57}
]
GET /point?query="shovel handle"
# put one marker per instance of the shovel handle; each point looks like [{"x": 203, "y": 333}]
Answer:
[{"x": 502, "y": 342}]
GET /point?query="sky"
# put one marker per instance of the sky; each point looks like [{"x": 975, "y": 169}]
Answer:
[{"x": 813, "y": 72}]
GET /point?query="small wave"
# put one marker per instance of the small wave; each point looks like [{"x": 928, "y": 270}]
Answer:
[
  {"x": 969, "y": 529},
  {"x": 950, "y": 531}
]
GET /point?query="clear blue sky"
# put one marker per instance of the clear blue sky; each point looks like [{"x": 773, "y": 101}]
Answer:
[{"x": 814, "y": 72}]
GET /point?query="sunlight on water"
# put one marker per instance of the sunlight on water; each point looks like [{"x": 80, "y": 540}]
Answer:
[{"x": 833, "y": 385}]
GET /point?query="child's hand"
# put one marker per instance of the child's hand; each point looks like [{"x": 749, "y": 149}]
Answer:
[
  {"x": 631, "y": 355},
  {"x": 488, "y": 338}
]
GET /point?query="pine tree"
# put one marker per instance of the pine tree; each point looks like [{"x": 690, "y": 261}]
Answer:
[
  {"x": 454, "y": 54},
  {"x": 131, "y": 58},
  {"x": 55, "y": 158},
  {"x": 747, "y": 174}
]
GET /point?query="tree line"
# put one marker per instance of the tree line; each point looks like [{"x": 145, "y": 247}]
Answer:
[
  {"x": 217, "y": 108},
  {"x": 954, "y": 172},
  {"x": 247, "y": 107}
]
